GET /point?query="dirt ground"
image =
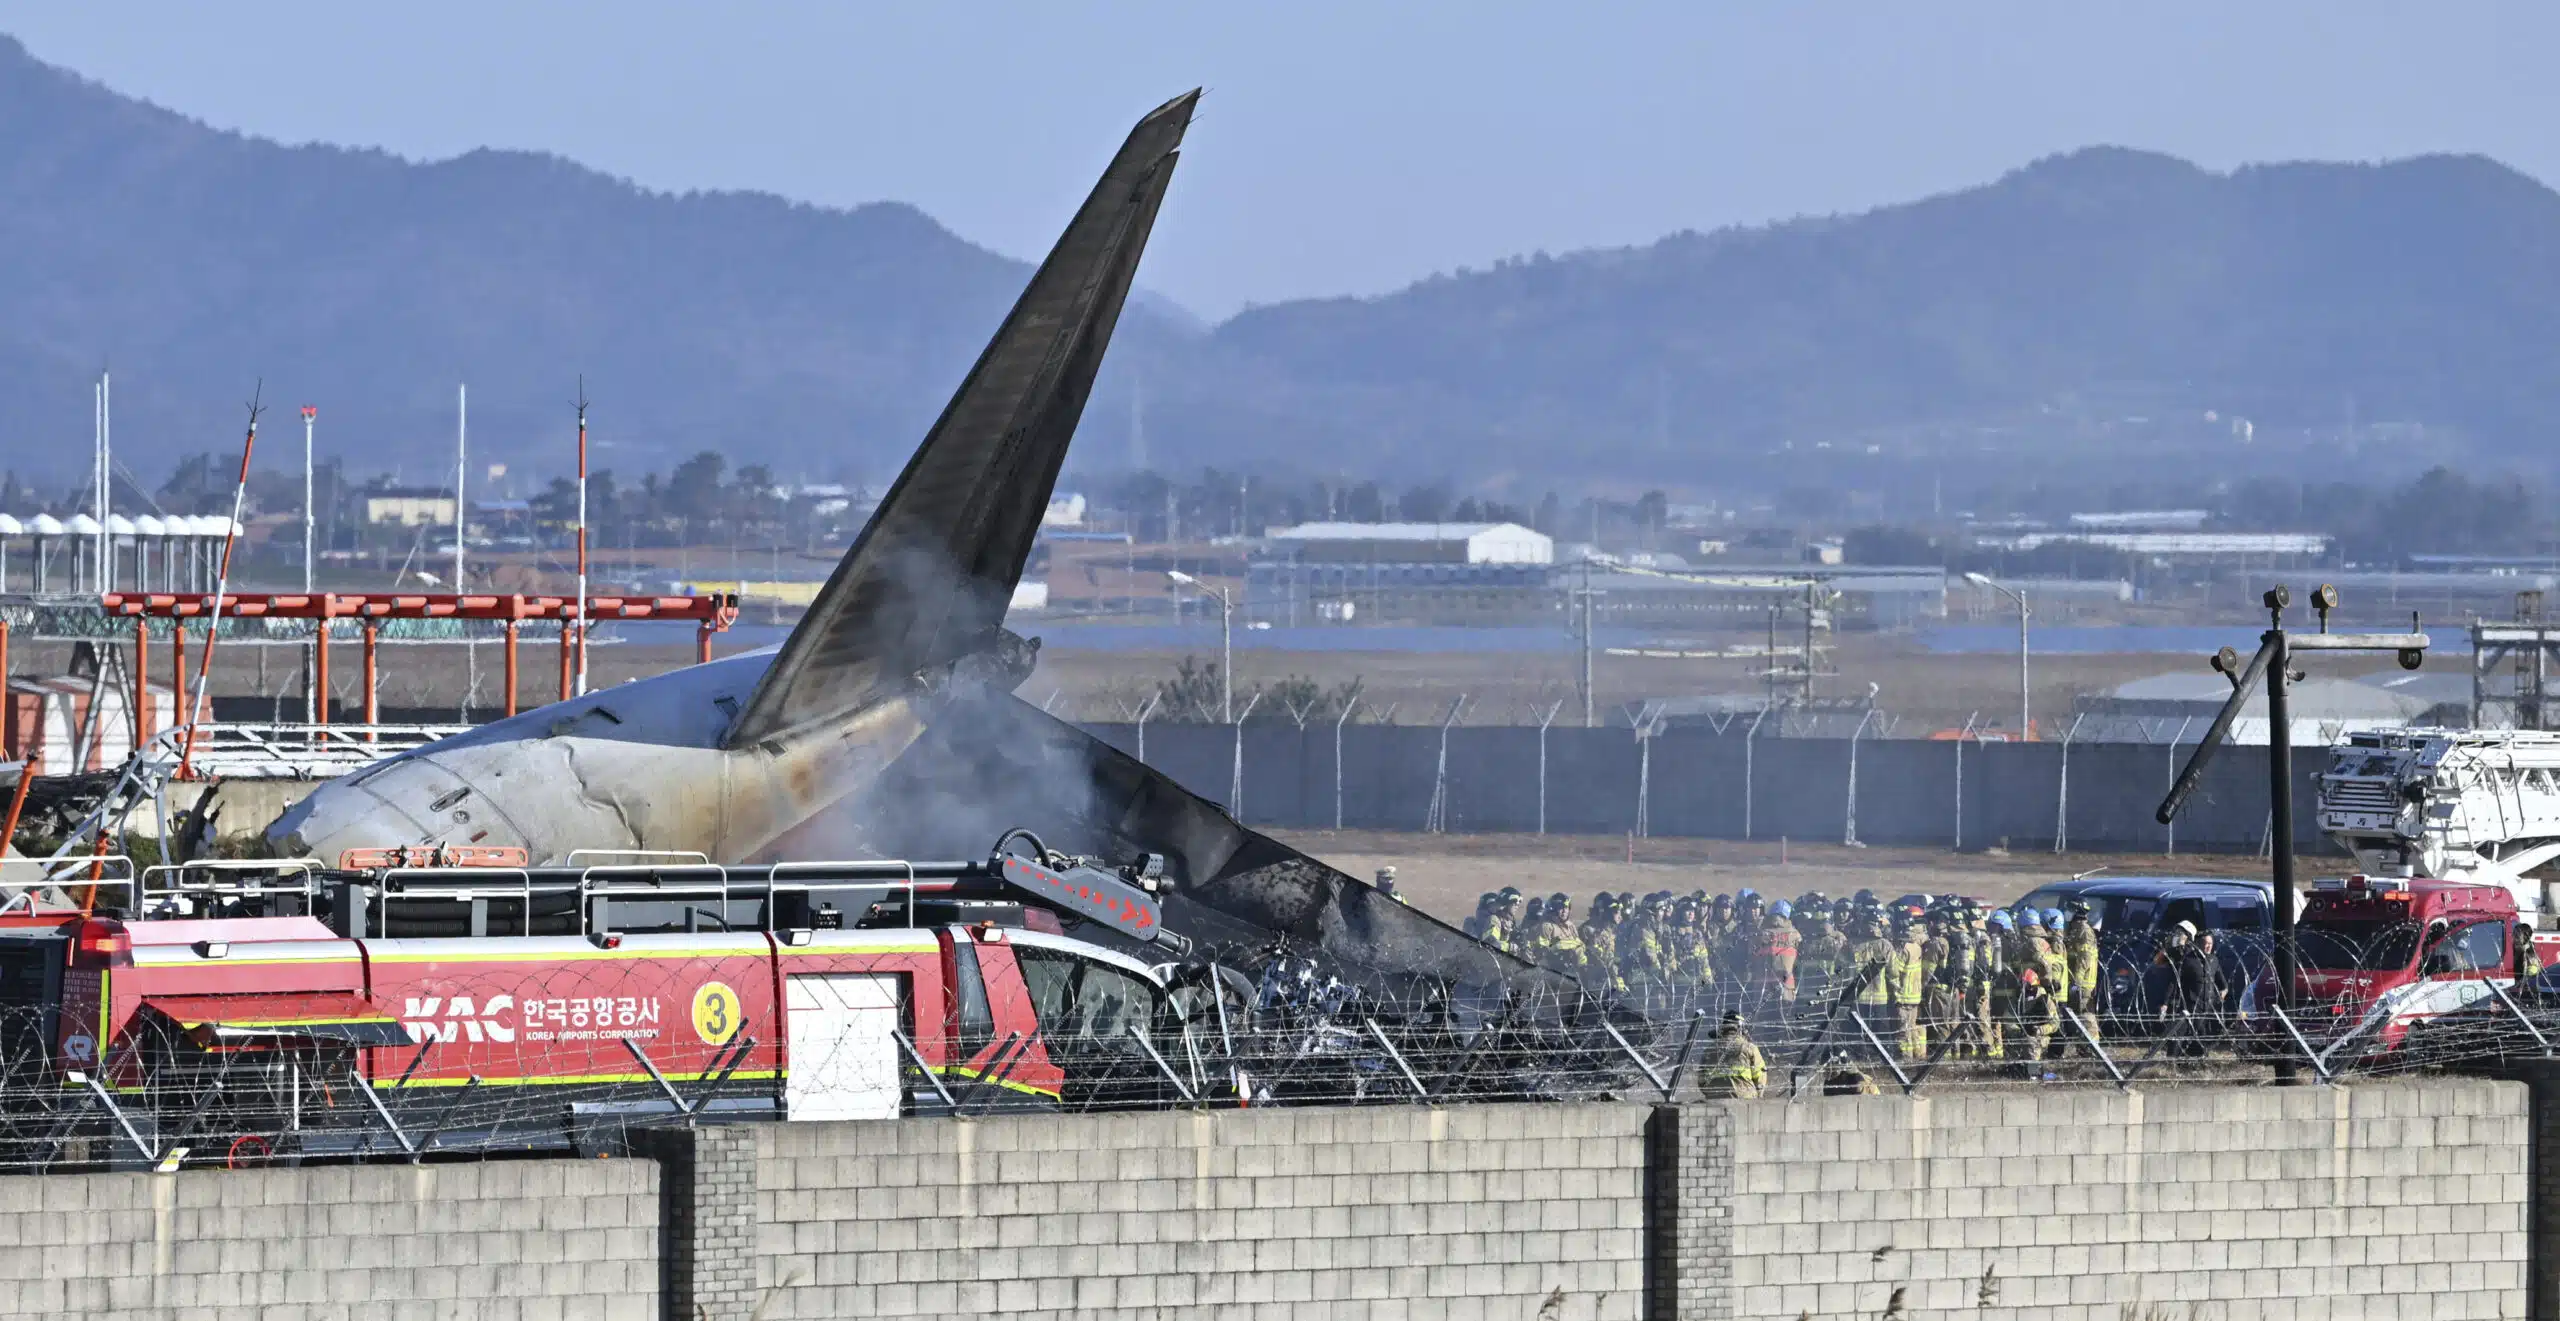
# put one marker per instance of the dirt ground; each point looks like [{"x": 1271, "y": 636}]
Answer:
[
  {"x": 1921, "y": 691},
  {"x": 1443, "y": 874}
]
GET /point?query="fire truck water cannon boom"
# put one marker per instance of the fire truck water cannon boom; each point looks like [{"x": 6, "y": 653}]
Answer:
[{"x": 2453, "y": 804}]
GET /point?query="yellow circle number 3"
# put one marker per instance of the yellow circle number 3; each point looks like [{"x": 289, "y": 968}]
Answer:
[{"x": 715, "y": 1013}]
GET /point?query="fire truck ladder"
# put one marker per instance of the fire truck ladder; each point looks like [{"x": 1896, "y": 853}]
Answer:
[{"x": 2481, "y": 805}]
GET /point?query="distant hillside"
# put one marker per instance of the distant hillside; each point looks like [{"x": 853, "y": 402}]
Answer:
[
  {"x": 193, "y": 261},
  {"x": 2073, "y": 307},
  {"x": 2082, "y": 315}
]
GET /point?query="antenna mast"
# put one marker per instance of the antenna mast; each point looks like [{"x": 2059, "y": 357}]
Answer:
[
  {"x": 581, "y": 622},
  {"x": 221, "y": 585}
]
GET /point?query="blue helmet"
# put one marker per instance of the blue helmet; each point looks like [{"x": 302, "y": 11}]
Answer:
[
  {"x": 1745, "y": 892},
  {"x": 2028, "y": 917},
  {"x": 1782, "y": 909},
  {"x": 2000, "y": 919},
  {"x": 2053, "y": 918}
]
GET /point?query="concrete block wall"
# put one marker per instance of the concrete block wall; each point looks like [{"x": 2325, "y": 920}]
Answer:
[
  {"x": 2376, "y": 1200},
  {"x": 707, "y": 1230},
  {"x": 500, "y": 1240},
  {"x": 1392, "y": 1212}
]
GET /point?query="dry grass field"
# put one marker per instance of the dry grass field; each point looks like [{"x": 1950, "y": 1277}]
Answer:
[{"x": 1922, "y": 690}]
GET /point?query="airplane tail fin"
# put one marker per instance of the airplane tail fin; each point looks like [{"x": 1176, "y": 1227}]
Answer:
[{"x": 928, "y": 581}]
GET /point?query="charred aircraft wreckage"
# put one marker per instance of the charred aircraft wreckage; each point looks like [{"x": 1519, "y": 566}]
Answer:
[{"x": 885, "y": 726}]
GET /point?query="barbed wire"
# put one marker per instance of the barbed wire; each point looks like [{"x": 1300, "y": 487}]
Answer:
[{"x": 577, "y": 1057}]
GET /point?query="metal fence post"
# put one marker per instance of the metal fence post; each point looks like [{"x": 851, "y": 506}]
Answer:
[
  {"x": 2062, "y": 800},
  {"x": 1849, "y": 835},
  {"x": 1550, "y": 719},
  {"x": 1644, "y": 780},
  {"x": 1144, "y": 712},
  {"x": 1436, "y": 821},
  {"x": 1347, "y": 708},
  {"x": 2172, "y": 823},
  {"x": 1748, "y": 737},
  {"x": 1961, "y": 736},
  {"x": 1235, "y": 782}
]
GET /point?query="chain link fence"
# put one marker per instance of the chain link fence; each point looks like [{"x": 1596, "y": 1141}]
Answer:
[{"x": 574, "y": 1054}]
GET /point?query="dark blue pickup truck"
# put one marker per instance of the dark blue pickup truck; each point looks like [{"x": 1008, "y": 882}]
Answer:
[{"x": 2134, "y": 914}]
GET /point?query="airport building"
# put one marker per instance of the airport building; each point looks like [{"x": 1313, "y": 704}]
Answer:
[
  {"x": 2179, "y": 707},
  {"x": 1502, "y": 573}
]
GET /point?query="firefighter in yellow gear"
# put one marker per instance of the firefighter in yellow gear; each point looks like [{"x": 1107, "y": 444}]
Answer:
[
  {"x": 1600, "y": 972},
  {"x": 1774, "y": 958},
  {"x": 1944, "y": 967},
  {"x": 1737, "y": 945},
  {"x": 2080, "y": 956},
  {"x": 1873, "y": 958},
  {"x": 2058, "y": 966},
  {"x": 1909, "y": 974},
  {"x": 1559, "y": 948},
  {"x": 2009, "y": 954},
  {"x": 1693, "y": 959},
  {"x": 1736, "y": 1069},
  {"x": 1982, "y": 940},
  {"x": 1823, "y": 966},
  {"x": 1647, "y": 950},
  {"x": 1508, "y": 921},
  {"x": 1531, "y": 937},
  {"x": 2034, "y": 1015},
  {"x": 2042, "y": 951}
]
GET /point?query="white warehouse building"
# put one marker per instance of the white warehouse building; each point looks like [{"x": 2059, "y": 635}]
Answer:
[{"x": 1412, "y": 543}]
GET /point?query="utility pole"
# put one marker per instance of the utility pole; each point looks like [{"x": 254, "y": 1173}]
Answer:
[
  {"x": 1226, "y": 642},
  {"x": 461, "y": 471},
  {"x": 1985, "y": 581},
  {"x": 1812, "y": 595},
  {"x": 309, "y": 415},
  {"x": 1769, "y": 675},
  {"x": 461, "y": 476},
  {"x": 1583, "y": 603}
]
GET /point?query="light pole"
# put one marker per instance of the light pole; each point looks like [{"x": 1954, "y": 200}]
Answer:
[
  {"x": 1226, "y": 643},
  {"x": 1984, "y": 580},
  {"x": 309, "y": 415}
]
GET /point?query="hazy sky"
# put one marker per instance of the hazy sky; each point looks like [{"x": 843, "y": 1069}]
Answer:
[{"x": 1344, "y": 147}]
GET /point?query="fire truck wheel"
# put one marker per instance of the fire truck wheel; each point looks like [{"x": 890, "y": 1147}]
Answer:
[{"x": 246, "y": 1150}]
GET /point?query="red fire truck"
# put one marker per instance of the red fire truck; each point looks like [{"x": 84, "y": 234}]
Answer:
[
  {"x": 2381, "y": 956},
  {"x": 233, "y": 1013}
]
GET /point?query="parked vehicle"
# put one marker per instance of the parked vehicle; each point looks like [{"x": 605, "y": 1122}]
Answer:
[
  {"x": 2382, "y": 957},
  {"x": 333, "y": 1012},
  {"x": 2134, "y": 914}
]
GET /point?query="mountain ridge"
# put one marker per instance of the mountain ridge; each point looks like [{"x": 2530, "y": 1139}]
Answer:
[{"x": 2073, "y": 311}]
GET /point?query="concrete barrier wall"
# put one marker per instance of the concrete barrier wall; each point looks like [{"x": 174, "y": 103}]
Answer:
[
  {"x": 2400, "y": 1200},
  {"x": 1691, "y": 782},
  {"x": 2386, "y": 1200},
  {"x": 1479, "y": 1212},
  {"x": 507, "y": 1239}
]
